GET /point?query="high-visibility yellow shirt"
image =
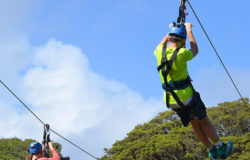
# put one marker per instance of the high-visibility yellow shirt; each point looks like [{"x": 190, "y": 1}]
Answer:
[{"x": 178, "y": 71}]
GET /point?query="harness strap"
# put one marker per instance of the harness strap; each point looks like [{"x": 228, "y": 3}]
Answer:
[
  {"x": 164, "y": 60},
  {"x": 177, "y": 85},
  {"x": 165, "y": 71}
]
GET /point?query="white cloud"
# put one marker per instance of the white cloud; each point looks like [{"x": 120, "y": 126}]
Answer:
[
  {"x": 62, "y": 90},
  {"x": 87, "y": 108}
]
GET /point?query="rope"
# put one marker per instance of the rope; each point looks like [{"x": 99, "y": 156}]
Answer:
[
  {"x": 43, "y": 122},
  {"x": 215, "y": 51}
]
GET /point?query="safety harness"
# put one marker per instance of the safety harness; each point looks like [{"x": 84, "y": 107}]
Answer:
[{"x": 169, "y": 87}]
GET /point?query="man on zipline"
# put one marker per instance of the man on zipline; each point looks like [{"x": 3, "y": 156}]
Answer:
[{"x": 179, "y": 93}]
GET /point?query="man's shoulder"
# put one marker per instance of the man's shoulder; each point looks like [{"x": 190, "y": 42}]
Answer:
[
  {"x": 183, "y": 50},
  {"x": 186, "y": 54},
  {"x": 158, "y": 49}
]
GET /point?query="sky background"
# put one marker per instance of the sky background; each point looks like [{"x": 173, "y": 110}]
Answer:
[{"x": 87, "y": 67}]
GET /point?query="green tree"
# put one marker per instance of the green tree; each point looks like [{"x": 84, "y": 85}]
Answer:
[
  {"x": 16, "y": 149},
  {"x": 164, "y": 137}
]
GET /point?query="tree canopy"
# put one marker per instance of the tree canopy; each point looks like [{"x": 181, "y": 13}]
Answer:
[
  {"x": 17, "y": 149},
  {"x": 164, "y": 137}
]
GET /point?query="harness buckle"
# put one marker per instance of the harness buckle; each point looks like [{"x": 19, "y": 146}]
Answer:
[{"x": 167, "y": 88}]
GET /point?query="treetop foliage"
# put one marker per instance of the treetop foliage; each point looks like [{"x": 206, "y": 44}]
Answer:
[{"x": 164, "y": 137}]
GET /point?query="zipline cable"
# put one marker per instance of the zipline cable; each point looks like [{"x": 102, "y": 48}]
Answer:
[
  {"x": 74, "y": 144},
  {"x": 215, "y": 51},
  {"x": 21, "y": 102},
  {"x": 43, "y": 122}
]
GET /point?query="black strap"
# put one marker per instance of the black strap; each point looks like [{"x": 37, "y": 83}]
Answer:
[
  {"x": 164, "y": 60},
  {"x": 177, "y": 85},
  {"x": 46, "y": 135},
  {"x": 165, "y": 71}
]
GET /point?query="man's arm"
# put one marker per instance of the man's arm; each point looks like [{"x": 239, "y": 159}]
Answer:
[
  {"x": 194, "y": 47},
  {"x": 165, "y": 40}
]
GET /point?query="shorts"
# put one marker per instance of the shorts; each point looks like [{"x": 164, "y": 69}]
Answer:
[{"x": 194, "y": 110}]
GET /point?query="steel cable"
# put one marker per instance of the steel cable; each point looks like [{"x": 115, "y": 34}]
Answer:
[
  {"x": 43, "y": 122},
  {"x": 215, "y": 51}
]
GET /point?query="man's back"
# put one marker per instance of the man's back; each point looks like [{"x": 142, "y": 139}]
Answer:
[{"x": 178, "y": 71}]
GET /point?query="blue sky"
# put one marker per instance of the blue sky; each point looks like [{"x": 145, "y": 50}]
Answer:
[
  {"x": 113, "y": 33},
  {"x": 94, "y": 60}
]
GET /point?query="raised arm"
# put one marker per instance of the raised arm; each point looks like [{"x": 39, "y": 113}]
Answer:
[
  {"x": 54, "y": 153},
  {"x": 194, "y": 47},
  {"x": 165, "y": 40}
]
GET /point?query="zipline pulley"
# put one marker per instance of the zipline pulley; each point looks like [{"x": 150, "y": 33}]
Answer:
[
  {"x": 46, "y": 139},
  {"x": 182, "y": 12}
]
